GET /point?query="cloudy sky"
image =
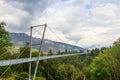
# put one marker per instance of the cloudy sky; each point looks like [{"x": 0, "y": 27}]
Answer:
[{"x": 85, "y": 23}]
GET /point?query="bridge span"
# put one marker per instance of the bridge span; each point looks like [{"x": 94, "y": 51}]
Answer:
[{"x": 25, "y": 60}]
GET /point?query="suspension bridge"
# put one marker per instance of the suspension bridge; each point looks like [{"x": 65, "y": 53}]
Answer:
[{"x": 34, "y": 59}]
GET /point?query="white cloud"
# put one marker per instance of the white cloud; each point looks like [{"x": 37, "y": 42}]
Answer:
[
  {"x": 80, "y": 22},
  {"x": 11, "y": 15},
  {"x": 84, "y": 27},
  {"x": 19, "y": 14},
  {"x": 107, "y": 10}
]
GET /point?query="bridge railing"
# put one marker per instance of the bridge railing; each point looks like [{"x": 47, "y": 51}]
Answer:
[{"x": 25, "y": 60}]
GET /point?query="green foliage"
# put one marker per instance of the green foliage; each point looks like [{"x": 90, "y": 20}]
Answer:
[
  {"x": 2, "y": 69},
  {"x": 25, "y": 51},
  {"x": 4, "y": 36},
  {"x": 81, "y": 51},
  {"x": 95, "y": 51},
  {"x": 50, "y": 68},
  {"x": 22, "y": 76},
  {"x": 5, "y": 40},
  {"x": 40, "y": 78},
  {"x": 67, "y": 72},
  {"x": 66, "y": 68},
  {"x": 98, "y": 69},
  {"x": 36, "y": 53},
  {"x": 106, "y": 65}
]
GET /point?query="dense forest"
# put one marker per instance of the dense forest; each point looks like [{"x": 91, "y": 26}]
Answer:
[{"x": 98, "y": 64}]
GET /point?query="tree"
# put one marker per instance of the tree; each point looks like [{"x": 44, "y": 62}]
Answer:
[
  {"x": 59, "y": 52},
  {"x": 5, "y": 40},
  {"x": 25, "y": 51},
  {"x": 67, "y": 72},
  {"x": 50, "y": 52},
  {"x": 102, "y": 49},
  {"x": 23, "y": 76},
  {"x": 50, "y": 68},
  {"x": 81, "y": 51},
  {"x": 95, "y": 51},
  {"x": 97, "y": 70},
  {"x": 106, "y": 66},
  {"x": 40, "y": 78},
  {"x": 66, "y": 51}
]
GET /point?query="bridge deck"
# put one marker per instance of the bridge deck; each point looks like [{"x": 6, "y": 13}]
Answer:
[{"x": 25, "y": 60}]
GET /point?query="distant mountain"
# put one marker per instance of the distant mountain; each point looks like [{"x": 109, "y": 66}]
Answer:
[{"x": 19, "y": 39}]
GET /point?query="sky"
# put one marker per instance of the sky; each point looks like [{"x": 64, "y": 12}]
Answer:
[{"x": 85, "y": 23}]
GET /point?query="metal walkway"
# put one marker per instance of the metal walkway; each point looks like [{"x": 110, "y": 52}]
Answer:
[{"x": 25, "y": 60}]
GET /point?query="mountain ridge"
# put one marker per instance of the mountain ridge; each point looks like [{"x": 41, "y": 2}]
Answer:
[{"x": 19, "y": 39}]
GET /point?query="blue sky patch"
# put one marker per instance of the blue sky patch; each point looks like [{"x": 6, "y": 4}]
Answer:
[{"x": 89, "y": 6}]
